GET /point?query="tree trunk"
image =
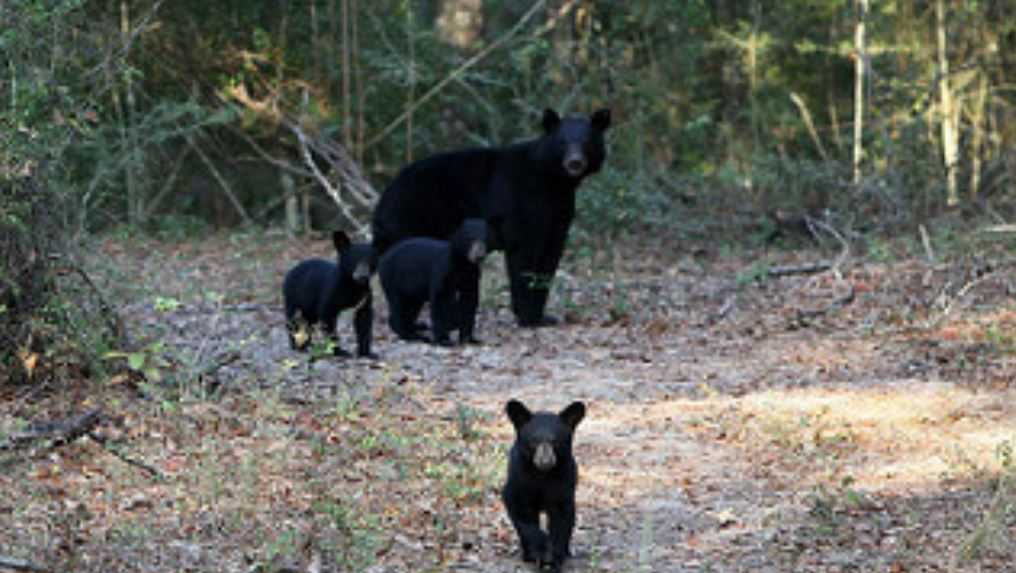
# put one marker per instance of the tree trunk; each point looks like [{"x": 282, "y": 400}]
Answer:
[
  {"x": 859, "y": 69},
  {"x": 347, "y": 97},
  {"x": 135, "y": 202},
  {"x": 411, "y": 92},
  {"x": 977, "y": 143},
  {"x": 950, "y": 144},
  {"x": 357, "y": 150},
  {"x": 315, "y": 41}
]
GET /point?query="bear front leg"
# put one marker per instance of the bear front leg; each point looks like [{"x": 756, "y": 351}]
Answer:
[
  {"x": 468, "y": 303},
  {"x": 548, "y": 261},
  {"x": 443, "y": 316},
  {"x": 363, "y": 323},
  {"x": 402, "y": 313},
  {"x": 532, "y": 540},
  {"x": 328, "y": 327},
  {"x": 527, "y": 302},
  {"x": 561, "y": 523}
]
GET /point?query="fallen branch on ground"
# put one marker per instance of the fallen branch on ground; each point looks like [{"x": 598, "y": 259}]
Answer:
[
  {"x": 61, "y": 432},
  {"x": 64, "y": 432},
  {"x": 805, "y": 269},
  {"x": 106, "y": 445},
  {"x": 847, "y": 298},
  {"x": 19, "y": 564}
]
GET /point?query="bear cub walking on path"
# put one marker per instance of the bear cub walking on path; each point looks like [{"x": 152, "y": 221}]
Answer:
[
  {"x": 444, "y": 273},
  {"x": 542, "y": 475},
  {"x": 316, "y": 291}
]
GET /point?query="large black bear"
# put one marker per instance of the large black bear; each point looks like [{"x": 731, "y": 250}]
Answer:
[
  {"x": 316, "y": 291},
  {"x": 542, "y": 476},
  {"x": 444, "y": 273},
  {"x": 525, "y": 191}
]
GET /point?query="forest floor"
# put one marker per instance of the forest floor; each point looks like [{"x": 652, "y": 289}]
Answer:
[{"x": 742, "y": 417}]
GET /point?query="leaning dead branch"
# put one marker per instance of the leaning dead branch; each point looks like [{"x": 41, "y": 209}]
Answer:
[
  {"x": 325, "y": 160},
  {"x": 848, "y": 294},
  {"x": 359, "y": 194},
  {"x": 949, "y": 302}
]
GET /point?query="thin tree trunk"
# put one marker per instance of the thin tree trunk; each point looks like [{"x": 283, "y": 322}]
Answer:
[
  {"x": 135, "y": 203},
  {"x": 977, "y": 143},
  {"x": 357, "y": 84},
  {"x": 831, "y": 91},
  {"x": 859, "y": 69},
  {"x": 411, "y": 93},
  {"x": 347, "y": 97},
  {"x": 333, "y": 55},
  {"x": 315, "y": 40},
  {"x": 756, "y": 126},
  {"x": 950, "y": 145}
]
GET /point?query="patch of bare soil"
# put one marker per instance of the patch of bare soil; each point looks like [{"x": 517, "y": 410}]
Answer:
[{"x": 738, "y": 421}]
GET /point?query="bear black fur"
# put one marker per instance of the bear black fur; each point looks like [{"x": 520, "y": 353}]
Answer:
[
  {"x": 542, "y": 476},
  {"x": 525, "y": 191},
  {"x": 444, "y": 273},
  {"x": 316, "y": 291}
]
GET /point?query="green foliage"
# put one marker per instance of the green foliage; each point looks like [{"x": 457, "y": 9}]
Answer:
[{"x": 149, "y": 362}]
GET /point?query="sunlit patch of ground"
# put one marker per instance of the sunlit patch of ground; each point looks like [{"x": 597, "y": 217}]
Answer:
[{"x": 908, "y": 435}]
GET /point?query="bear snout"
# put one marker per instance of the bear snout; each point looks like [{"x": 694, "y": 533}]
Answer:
[
  {"x": 361, "y": 273},
  {"x": 575, "y": 162},
  {"x": 477, "y": 251},
  {"x": 544, "y": 459}
]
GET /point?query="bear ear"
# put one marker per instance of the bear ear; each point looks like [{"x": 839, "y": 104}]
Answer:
[
  {"x": 601, "y": 119},
  {"x": 573, "y": 414},
  {"x": 341, "y": 240},
  {"x": 550, "y": 120},
  {"x": 518, "y": 413}
]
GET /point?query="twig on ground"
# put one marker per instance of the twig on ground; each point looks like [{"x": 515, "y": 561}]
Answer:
[
  {"x": 834, "y": 268},
  {"x": 805, "y": 269},
  {"x": 926, "y": 241},
  {"x": 20, "y": 565},
  {"x": 847, "y": 298},
  {"x": 64, "y": 432},
  {"x": 106, "y": 445},
  {"x": 724, "y": 310}
]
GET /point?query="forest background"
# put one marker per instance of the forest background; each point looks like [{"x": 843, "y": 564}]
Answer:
[{"x": 884, "y": 129}]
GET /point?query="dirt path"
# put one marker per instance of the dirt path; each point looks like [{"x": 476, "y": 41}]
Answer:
[{"x": 696, "y": 454}]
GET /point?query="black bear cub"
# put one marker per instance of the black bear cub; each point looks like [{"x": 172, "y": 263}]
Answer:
[
  {"x": 445, "y": 274},
  {"x": 316, "y": 291},
  {"x": 542, "y": 475}
]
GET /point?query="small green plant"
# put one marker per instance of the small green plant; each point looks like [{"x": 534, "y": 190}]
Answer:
[
  {"x": 1001, "y": 339},
  {"x": 752, "y": 274},
  {"x": 993, "y": 530},
  {"x": 149, "y": 362},
  {"x": 619, "y": 306},
  {"x": 166, "y": 304},
  {"x": 465, "y": 416}
]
